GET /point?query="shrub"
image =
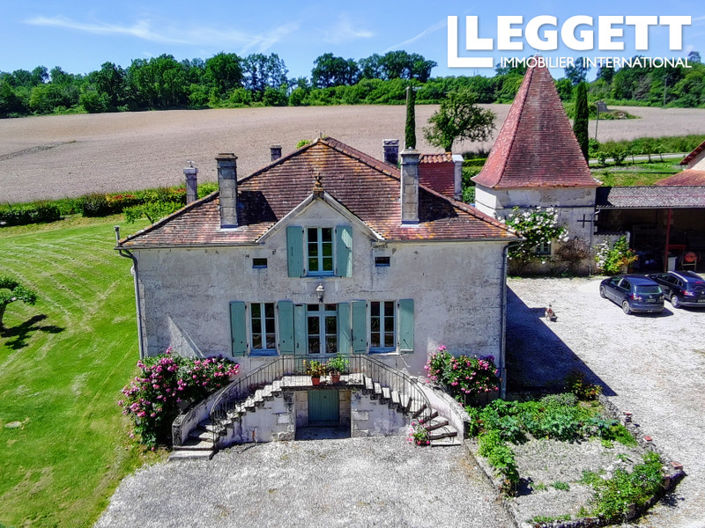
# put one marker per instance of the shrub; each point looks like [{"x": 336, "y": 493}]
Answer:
[
  {"x": 537, "y": 226},
  {"x": 575, "y": 383},
  {"x": 465, "y": 378},
  {"x": 95, "y": 204},
  {"x": 501, "y": 457},
  {"x": 167, "y": 382},
  {"x": 612, "y": 260},
  {"x": 31, "y": 213}
]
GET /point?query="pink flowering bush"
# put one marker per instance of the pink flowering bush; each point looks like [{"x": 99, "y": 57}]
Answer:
[
  {"x": 418, "y": 434},
  {"x": 465, "y": 378},
  {"x": 167, "y": 382}
]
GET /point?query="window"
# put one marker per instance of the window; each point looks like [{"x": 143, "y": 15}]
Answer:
[
  {"x": 382, "y": 326},
  {"x": 383, "y": 262},
  {"x": 543, "y": 248},
  {"x": 320, "y": 250},
  {"x": 322, "y": 328},
  {"x": 263, "y": 329},
  {"x": 259, "y": 263}
]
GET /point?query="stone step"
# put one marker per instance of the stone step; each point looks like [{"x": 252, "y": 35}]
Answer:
[
  {"x": 259, "y": 397},
  {"x": 190, "y": 455},
  {"x": 202, "y": 434},
  {"x": 386, "y": 393},
  {"x": 430, "y": 417},
  {"x": 267, "y": 393},
  {"x": 404, "y": 402},
  {"x": 208, "y": 426},
  {"x": 378, "y": 388},
  {"x": 276, "y": 386},
  {"x": 369, "y": 384},
  {"x": 443, "y": 432},
  {"x": 416, "y": 408},
  {"x": 195, "y": 444},
  {"x": 435, "y": 423},
  {"x": 395, "y": 398},
  {"x": 446, "y": 442},
  {"x": 249, "y": 403}
]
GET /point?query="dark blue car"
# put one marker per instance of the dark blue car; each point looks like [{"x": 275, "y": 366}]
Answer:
[
  {"x": 683, "y": 288},
  {"x": 634, "y": 293}
]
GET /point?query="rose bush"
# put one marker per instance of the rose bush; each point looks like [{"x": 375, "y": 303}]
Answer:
[
  {"x": 167, "y": 382},
  {"x": 464, "y": 377}
]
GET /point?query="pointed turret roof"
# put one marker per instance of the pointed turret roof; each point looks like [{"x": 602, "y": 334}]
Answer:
[{"x": 536, "y": 146}]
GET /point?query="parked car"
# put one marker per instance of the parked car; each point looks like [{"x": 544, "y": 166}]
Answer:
[
  {"x": 682, "y": 288},
  {"x": 634, "y": 293}
]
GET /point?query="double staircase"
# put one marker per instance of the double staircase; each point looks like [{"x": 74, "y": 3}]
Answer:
[{"x": 389, "y": 386}]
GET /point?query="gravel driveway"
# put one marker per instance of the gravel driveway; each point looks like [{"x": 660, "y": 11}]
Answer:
[
  {"x": 350, "y": 482},
  {"x": 653, "y": 366}
]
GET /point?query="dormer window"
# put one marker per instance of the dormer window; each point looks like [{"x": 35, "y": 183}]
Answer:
[{"x": 319, "y": 245}]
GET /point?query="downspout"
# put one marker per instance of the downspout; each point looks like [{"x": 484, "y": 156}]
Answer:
[
  {"x": 503, "y": 327},
  {"x": 128, "y": 254}
]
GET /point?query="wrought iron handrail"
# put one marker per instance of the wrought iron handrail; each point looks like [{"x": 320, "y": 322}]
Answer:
[{"x": 240, "y": 389}]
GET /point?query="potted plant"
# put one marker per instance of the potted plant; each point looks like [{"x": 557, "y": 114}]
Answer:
[
  {"x": 336, "y": 366},
  {"x": 315, "y": 369}
]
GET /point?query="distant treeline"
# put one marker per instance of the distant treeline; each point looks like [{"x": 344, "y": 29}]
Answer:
[{"x": 227, "y": 80}]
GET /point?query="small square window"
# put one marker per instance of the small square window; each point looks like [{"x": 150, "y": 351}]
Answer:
[
  {"x": 259, "y": 263},
  {"x": 383, "y": 262}
]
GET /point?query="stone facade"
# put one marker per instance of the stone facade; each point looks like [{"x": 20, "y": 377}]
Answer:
[{"x": 372, "y": 417}]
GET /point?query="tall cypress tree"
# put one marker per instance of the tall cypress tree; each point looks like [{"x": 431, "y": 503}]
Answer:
[
  {"x": 410, "y": 130},
  {"x": 582, "y": 114}
]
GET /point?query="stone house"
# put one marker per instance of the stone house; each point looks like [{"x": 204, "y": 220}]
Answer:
[
  {"x": 536, "y": 161},
  {"x": 326, "y": 250}
]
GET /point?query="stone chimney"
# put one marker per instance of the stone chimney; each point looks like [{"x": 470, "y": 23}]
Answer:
[
  {"x": 391, "y": 151},
  {"x": 227, "y": 183},
  {"x": 191, "y": 174},
  {"x": 409, "y": 186},
  {"x": 458, "y": 176},
  {"x": 275, "y": 152}
]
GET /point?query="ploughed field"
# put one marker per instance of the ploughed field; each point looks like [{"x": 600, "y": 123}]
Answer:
[{"x": 48, "y": 157}]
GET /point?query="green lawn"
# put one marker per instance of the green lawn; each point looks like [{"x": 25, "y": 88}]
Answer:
[
  {"x": 62, "y": 365},
  {"x": 641, "y": 173}
]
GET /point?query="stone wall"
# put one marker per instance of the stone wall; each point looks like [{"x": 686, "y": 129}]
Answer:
[
  {"x": 274, "y": 421},
  {"x": 371, "y": 417}
]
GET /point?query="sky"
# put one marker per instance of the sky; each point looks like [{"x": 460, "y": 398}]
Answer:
[{"x": 80, "y": 35}]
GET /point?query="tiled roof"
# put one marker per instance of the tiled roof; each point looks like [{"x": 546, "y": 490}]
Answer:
[
  {"x": 690, "y": 157},
  {"x": 445, "y": 157},
  {"x": 536, "y": 146},
  {"x": 650, "y": 197},
  {"x": 687, "y": 178},
  {"x": 366, "y": 186}
]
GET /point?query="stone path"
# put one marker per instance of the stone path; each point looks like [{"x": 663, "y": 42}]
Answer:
[{"x": 352, "y": 482}]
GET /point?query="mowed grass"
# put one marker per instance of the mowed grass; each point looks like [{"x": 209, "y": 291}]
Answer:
[
  {"x": 641, "y": 173},
  {"x": 62, "y": 365}
]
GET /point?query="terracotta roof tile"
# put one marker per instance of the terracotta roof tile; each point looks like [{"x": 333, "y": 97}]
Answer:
[
  {"x": 690, "y": 157},
  {"x": 536, "y": 146},
  {"x": 445, "y": 157},
  {"x": 687, "y": 178},
  {"x": 368, "y": 187}
]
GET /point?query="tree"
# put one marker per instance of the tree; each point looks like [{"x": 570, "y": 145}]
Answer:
[
  {"x": 110, "y": 85},
  {"x": 410, "y": 130},
  {"x": 330, "y": 70},
  {"x": 223, "y": 72},
  {"x": 16, "y": 292},
  {"x": 577, "y": 73},
  {"x": 582, "y": 115},
  {"x": 260, "y": 71},
  {"x": 459, "y": 118}
]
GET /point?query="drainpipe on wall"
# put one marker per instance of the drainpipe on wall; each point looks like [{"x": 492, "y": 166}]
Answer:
[
  {"x": 503, "y": 328},
  {"x": 127, "y": 254}
]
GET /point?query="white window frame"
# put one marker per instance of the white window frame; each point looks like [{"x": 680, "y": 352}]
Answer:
[
  {"x": 321, "y": 313},
  {"x": 319, "y": 245},
  {"x": 262, "y": 330},
  {"x": 382, "y": 327}
]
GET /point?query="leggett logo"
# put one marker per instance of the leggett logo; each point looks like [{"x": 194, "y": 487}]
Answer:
[{"x": 577, "y": 33}]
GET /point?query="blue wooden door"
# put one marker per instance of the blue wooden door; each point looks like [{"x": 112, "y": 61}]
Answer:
[{"x": 323, "y": 407}]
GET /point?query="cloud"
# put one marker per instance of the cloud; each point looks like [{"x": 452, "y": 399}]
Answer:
[
  {"x": 199, "y": 36},
  {"x": 344, "y": 30},
  {"x": 430, "y": 29}
]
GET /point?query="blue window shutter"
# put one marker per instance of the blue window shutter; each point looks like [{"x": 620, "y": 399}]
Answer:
[
  {"x": 295, "y": 251},
  {"x": 344, "y": 328},
  {"x": 238, "y": 327},
  {"x": 405, "y": 312},
  {"x": 285, "y": 312},
  {"x": 359, "y": 327},
  {"x": 343, "y": 251},
  {"x": 300, "y": 334}
]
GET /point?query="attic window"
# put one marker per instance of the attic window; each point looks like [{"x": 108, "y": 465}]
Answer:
[
  {"x": 383, "y": 262},
  {"x": 259, "y": 263}
]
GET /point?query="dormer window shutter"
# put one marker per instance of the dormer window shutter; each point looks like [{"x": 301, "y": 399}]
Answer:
[
  {"x": 343, "y": 251},
  {"x": 295, "y": 251}
]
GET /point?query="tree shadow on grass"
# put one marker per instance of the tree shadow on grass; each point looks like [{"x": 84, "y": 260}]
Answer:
[
  {"x": 537, "y": 359},
  {"x": 18, "y": 335}
]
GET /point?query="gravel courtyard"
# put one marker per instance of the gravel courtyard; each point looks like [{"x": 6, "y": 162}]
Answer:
[
  {"x": 350, "y": 482},
  {"x": 653, "y": 366}
]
